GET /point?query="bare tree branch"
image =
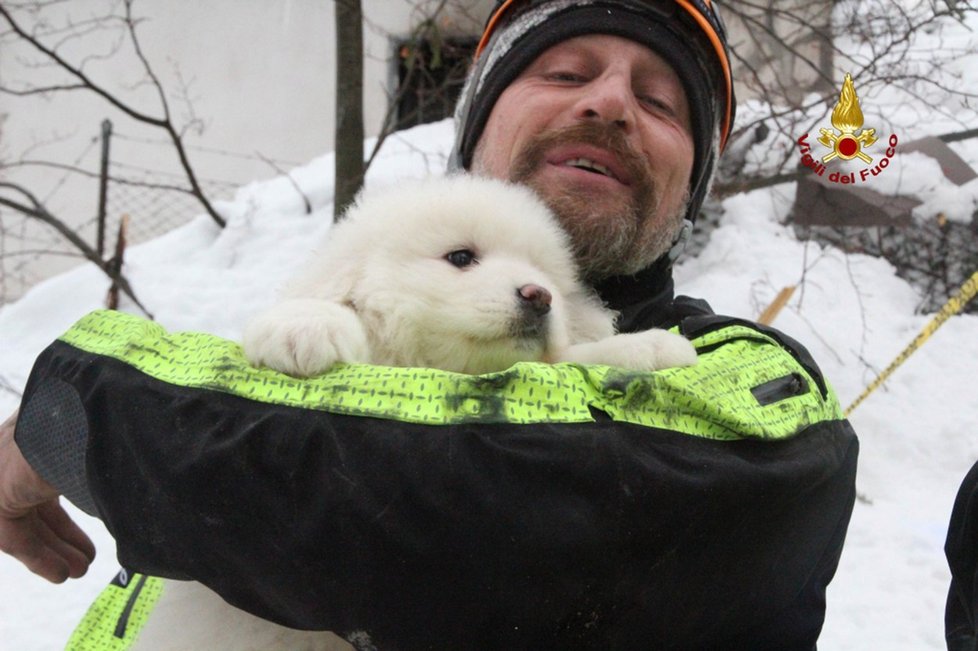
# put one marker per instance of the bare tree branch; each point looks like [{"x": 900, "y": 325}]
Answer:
[
  {"x": 784, "y": 45},
  {"x": 42, "y": 90},
  {"x": 390, "y": 117},
  {"x": 75, "y": 72},
  {"x": 36, "y": 210},
  {"x": 305, "y": 200},
  {"x": 165, "y": 123},
  {"x": 94, "y": 175}
]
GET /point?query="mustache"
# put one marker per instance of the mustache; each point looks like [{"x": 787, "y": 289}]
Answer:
[{"x": 604, "y": 135}]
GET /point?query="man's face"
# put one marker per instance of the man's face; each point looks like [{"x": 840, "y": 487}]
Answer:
[{"x": 599, "y": 126}]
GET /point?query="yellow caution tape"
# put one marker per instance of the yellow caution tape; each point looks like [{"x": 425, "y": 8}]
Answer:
[{"x": 954, "y": 305}]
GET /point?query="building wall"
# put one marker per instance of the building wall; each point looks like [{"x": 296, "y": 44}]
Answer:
[{"x": 260, "y": 78}]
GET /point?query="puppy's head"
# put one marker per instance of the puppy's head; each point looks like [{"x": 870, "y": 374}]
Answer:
[{"x": 464, "y": 274}]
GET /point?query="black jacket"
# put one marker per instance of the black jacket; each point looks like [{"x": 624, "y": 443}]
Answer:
[
  {"x": 480, "y": 532},
  {"x": 961, "y": 548}
]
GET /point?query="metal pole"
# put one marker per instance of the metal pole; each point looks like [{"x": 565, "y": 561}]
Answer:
[{"x": 103, "y": 189}]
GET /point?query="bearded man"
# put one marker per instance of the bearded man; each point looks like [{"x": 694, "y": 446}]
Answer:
[{"x": 707, "y": 511}]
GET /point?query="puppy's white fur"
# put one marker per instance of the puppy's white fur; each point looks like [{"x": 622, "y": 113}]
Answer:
[{"x": 383, "y": 291}]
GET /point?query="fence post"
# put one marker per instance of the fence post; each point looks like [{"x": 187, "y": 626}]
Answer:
[{"x": 103, "y": 188}]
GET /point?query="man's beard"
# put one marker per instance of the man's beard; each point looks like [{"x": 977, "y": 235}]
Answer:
[{"x": 611, "y": 235}]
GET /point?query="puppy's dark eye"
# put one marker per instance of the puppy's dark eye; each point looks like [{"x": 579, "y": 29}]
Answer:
[{"x": 461, "y": 258}]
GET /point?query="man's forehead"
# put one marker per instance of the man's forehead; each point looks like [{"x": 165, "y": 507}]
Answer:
[{"x": 607, "y": 47}]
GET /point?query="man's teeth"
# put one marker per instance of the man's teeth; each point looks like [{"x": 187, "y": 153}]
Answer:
[{"x": 590, "y": 165}]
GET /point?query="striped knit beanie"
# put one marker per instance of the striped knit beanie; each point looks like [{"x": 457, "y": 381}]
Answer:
[{"x": 688, "y": 34}]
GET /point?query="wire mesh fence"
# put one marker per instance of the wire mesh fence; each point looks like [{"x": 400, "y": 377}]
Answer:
[
  {"x": 155, "y": 202},
  {"x": 153, "y": 208}
]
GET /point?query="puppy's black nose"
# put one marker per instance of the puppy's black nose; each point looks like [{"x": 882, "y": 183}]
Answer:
[{"x": 535, "y": 299}]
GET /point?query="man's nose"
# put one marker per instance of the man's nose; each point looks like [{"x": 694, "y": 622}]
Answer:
[{"x": 609, "y": 98}]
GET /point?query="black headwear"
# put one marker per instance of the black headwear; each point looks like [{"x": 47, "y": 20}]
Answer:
[{"x": 688, "y": 34}]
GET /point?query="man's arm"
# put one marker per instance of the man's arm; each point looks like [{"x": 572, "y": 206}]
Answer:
[
  {"x": 34, "y": 528},
  {"x": 545, "y": 507}
]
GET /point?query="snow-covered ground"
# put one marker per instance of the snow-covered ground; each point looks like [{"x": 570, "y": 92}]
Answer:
[{"x": 917, "y": 432}]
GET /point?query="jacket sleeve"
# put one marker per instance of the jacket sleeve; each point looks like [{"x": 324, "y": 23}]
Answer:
[
  {"x": 961, "y": 549},
  {"x": 543, "y": 507}
]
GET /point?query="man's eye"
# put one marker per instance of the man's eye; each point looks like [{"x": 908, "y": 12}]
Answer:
[
  {"x": 461, "y": 258},
  {"x": 657, "y": 103},
  {"x": 565, "y": 76}
]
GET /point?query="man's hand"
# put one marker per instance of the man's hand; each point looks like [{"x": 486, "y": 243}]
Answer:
[{"x": 34, "y": 528}]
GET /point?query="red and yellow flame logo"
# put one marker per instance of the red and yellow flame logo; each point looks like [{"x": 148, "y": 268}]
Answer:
[{"x": 847, "y": 118}]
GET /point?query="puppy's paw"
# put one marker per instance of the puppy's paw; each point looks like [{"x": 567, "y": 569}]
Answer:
[
  {"x": 650, "y": 350},
  {"x": 305, "y": 337}
]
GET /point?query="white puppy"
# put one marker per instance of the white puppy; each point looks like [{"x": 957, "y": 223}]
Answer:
[{"x": 462, "y": 274}]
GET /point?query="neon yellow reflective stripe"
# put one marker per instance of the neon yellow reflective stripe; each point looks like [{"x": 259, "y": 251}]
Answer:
[
  {"x": 711, "y": 399},
  {"x": 115, "y": 619}
]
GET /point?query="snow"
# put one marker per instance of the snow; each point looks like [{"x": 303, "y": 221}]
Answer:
[{"x": 851, "y": 311}]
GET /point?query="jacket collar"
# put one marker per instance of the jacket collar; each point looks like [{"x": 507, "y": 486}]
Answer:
[{"x": 639, "y": 297}]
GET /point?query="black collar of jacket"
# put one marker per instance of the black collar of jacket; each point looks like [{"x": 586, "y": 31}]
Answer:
[{"x": 647, "y": 299}]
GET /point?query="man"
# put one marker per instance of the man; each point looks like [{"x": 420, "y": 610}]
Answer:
[
  {"x": 961, "y": 549},
  {"x": 708, "y": 513}
]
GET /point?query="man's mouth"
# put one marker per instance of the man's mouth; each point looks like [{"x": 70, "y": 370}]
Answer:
[
  {"x": 590, "y": 159},
  {"x": 590, "y": 166},
  {"x": 584, "y": 149}
]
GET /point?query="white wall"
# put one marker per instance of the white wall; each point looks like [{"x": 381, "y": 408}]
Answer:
[{"x": 260, "y": 75}]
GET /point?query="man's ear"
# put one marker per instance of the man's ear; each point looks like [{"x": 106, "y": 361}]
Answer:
[{"x": 679, "y": 244}]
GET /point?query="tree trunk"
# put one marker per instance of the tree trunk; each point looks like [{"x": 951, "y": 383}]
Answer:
[{"x": 349, "y": 104}]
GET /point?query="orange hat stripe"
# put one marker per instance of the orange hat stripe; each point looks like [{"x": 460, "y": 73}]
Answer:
[
  {"x": 491, "y": 27},
  {"x": 718, "y": 46},
  {"x": 692, "y": 11}
]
